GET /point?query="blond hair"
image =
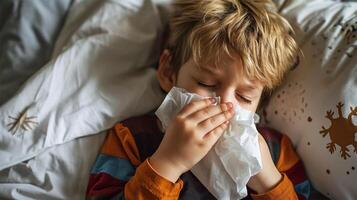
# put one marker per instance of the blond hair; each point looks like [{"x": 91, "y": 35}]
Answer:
[{"x": 209, "y": 30}]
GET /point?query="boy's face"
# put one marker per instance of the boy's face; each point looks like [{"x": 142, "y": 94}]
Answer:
[{"x": 228, "y": 82}]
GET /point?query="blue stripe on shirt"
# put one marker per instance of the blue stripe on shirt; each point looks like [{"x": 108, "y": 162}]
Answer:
[
  {"x": 119, "y": 168},
  {"x": 303, "y": 189}
]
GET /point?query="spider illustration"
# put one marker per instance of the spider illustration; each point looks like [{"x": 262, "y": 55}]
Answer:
[{"x": 22, "y": 121}]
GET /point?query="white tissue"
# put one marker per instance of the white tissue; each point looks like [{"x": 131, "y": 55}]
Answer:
[{"x": 228, "y": 166}]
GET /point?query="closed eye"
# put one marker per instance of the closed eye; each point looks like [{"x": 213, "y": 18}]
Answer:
[
  {"x": 243, "y": 98},
  {"x": 206, "y": 85}
]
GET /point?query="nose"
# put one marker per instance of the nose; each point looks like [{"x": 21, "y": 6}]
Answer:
[{"x": 227, "y": 95}]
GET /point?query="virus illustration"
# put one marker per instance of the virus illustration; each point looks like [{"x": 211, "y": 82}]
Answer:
[
  {"x": 22, "y": 121},
  {"x": 342, "y": 131}
]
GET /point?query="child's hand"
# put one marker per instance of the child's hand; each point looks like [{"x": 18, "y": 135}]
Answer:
[
  {"x": 269, "y": 176},
  {"x": 189, "y": 137}
]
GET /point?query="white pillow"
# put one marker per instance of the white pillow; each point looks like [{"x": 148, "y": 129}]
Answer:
[{"x": 324, "y": 82}]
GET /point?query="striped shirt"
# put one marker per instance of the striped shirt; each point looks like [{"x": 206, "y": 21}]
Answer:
[{"x": 122, "y": 170}]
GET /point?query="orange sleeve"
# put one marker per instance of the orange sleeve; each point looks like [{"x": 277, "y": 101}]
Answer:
[
  {"x": 283, "y": 191},
  {"x": 287, "y": 160},
  {"x": 147, "y": 184}
]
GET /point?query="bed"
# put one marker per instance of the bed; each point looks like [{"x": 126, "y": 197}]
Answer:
[
  {"x": 49, "y": 155},
  {"x": 69, "y": 70}
]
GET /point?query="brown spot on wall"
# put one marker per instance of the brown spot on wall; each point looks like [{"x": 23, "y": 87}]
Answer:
[
  {"x": 309, "y": 119},
  {"x": 327, "y": 171}
]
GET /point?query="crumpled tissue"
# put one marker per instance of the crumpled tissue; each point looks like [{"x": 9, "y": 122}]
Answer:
[{"x": 228, "y": 166}]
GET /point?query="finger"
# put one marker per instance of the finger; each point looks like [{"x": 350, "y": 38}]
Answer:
[
  {"x": 212, "y": 136},
  {"x": 194, "y": 106},
  {"x": 211, "y": 123},
  {"x": 208, "y": 112}
]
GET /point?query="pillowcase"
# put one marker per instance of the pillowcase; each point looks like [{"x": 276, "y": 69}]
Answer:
[
  {"x": 28, "y": 31},
  {"x": 317, "y": 104}
]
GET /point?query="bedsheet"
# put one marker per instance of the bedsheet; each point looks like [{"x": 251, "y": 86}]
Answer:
[
  {"x": 101, "y": 72},
  {"x": 28, "y": 31}
]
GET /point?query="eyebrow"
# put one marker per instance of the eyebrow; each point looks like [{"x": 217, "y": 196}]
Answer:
[
  {"x": 208, "y": 70},
  {"x": 250, "y": 86},
  {"x": 250, "y": 89}
]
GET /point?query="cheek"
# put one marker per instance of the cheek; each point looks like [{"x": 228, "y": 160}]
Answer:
[
  {"x": 251, "y": 107},
  {"x": 204, "y": 92},
  {"x": 183, "y": 81},
  {"x": 192, "y": 87}
]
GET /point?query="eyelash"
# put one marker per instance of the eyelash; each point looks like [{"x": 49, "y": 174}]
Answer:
[
  {"x": 205, "y": 85},
  {"x": 244, "y": 99},
  {"x": 213, "y": 86}
]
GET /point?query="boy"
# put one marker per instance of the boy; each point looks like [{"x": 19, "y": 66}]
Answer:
[{"x": 237, "y": 49}]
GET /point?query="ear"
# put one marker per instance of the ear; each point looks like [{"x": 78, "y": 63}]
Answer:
[{"x": 165, "y": 73}]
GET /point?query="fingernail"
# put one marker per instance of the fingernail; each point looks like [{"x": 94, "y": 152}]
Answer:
[
  {"x": 213, "y": 100},
  {"x": 230, "y": 105}
]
